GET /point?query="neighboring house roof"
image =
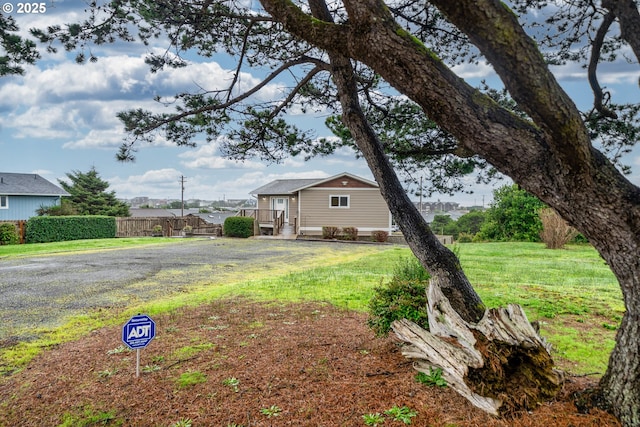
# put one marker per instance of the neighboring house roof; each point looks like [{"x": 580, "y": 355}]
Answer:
[
  {"x": 290, "y": 186},
  {"x": 28, "y": 184},
  {"x": 144, "y": 212}
]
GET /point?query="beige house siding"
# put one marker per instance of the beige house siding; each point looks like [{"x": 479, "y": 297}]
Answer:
[
  {"x": 264, "y": 202},
  {"x": 367, "y": 210}
]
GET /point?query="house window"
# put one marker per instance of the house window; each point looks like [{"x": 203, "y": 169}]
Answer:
[
  {"x": 339, "y": 201},
  {"x": 4, "y": 202}
]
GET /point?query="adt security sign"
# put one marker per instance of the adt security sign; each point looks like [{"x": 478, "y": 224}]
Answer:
[{"x": 138, "y": 331}]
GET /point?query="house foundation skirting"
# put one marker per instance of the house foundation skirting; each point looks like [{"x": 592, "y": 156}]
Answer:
[{"x": 317, "y": 231}]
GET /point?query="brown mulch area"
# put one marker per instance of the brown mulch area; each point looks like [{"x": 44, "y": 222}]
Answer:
[{"x": 319, "y": 365}]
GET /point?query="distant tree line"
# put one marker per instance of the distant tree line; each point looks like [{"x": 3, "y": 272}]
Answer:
[{"x": 514, "y": 215}]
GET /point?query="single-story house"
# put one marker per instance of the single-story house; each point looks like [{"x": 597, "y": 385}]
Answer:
[
  {"x": 342, "y": 200},
  {"x": 22, "y": 194}
]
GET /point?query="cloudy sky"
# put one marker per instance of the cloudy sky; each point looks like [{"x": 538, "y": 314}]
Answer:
[{"x": 61, "y": 117}]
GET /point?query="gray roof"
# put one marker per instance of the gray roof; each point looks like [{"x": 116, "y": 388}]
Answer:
[
  {"x": 290, "y": 186},
  {"x": 28, "y": 184},
  {"x": 285, "y": 186}
]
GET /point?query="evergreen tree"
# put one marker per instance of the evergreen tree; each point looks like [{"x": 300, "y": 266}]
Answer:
[
  {"x": 14, "y": 50},
  {"x": 89, "y": 195}
]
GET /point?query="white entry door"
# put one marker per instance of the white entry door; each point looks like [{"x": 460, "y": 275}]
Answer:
[{"x": 281, "y": 204}]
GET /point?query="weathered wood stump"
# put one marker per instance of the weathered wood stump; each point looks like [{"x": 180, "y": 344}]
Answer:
[{"x": 500, "y": 364}]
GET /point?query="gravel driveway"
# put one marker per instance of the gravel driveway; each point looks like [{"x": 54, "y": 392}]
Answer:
[{"x": 41, "y": 291}]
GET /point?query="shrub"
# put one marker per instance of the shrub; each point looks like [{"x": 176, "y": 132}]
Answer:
[
  {"x": 555, "y": 231},
  {"x": 465, "y": 238},
  {"x": 513, "y": 216},
  {"x": 65, "y": 208},
  {"x": 580, "y": 239},
  {"x": 329, "y": 232},
  {"x": 8, "y": 234},
  {"x": 238, "y": 226},
  {"x": 350, "y": 233},
  {"x": 404, "y": 297},
  {"x": 411, "y": 269},
  {"x": 43, "y": 229},
  {"x": 379, "y": 236}
]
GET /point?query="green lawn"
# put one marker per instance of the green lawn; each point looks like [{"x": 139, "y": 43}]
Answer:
[
  {"x": 79, "y": 245},
  {"x": 571, "y": 292},
  {"x": 548, "y": 283}
]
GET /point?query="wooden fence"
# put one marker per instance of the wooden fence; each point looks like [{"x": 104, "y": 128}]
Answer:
[{"x": 171, "y": 226}]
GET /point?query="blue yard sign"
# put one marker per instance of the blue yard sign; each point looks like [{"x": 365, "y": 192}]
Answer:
[{"x": 138, "y": 331}]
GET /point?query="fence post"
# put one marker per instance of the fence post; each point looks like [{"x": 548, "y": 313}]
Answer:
[{"x": 22, "y": 231}]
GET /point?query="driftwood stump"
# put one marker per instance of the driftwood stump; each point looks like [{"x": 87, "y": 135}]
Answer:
[{"x": 500, "y": 364}]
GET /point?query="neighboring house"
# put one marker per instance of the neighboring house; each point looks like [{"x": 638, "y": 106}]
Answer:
[
  {"x": 22, "y": 194},
  {"x": 307, "y": 205}
]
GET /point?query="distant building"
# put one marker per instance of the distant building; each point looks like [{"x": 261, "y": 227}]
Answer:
[
  {"x": 136, "y": 202},
  {"x": 426, "y": 207}
]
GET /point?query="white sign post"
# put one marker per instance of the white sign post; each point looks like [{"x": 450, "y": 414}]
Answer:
[{"x": 137, "y": 333}]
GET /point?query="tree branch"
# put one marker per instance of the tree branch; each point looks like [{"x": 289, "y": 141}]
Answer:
[
  {"x": 494, "y": 29},
  {"x": 176, "y": 117},
  {"x": 629, "y": 18},
  {"x": 593, "y": 65}
]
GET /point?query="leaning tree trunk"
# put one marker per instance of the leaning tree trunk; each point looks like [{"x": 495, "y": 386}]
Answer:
[
  {"x": 620, "y": 385},
  {"x": 494, "y": 358}
]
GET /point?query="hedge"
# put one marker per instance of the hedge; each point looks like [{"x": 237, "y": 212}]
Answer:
[
  {"x": 8, "y": 234},
  {"x": 238, "y": 226},
  {"x": 43, "y": 229}
]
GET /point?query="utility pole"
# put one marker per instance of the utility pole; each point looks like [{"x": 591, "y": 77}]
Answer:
[{"x": 182, "y": 181}]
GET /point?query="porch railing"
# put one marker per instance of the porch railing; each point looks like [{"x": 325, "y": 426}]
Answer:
[{"x": 266, "y": 218}]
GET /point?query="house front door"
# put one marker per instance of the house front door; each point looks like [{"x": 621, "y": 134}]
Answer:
[{"x": 281, "y": 204}]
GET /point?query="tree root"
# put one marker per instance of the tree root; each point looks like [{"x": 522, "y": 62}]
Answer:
[{"x": 500, "y": 364}]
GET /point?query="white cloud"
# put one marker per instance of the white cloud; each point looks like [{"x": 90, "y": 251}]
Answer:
[
  {"x": 159, "y": 183},
  {"x": 220, "y": 163},
  {"x": 207, "y": 156},
  {"x": 293, "y": 162},
  {"x": 474, "y": 71},
  {"x": 41, "y": 123}
]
